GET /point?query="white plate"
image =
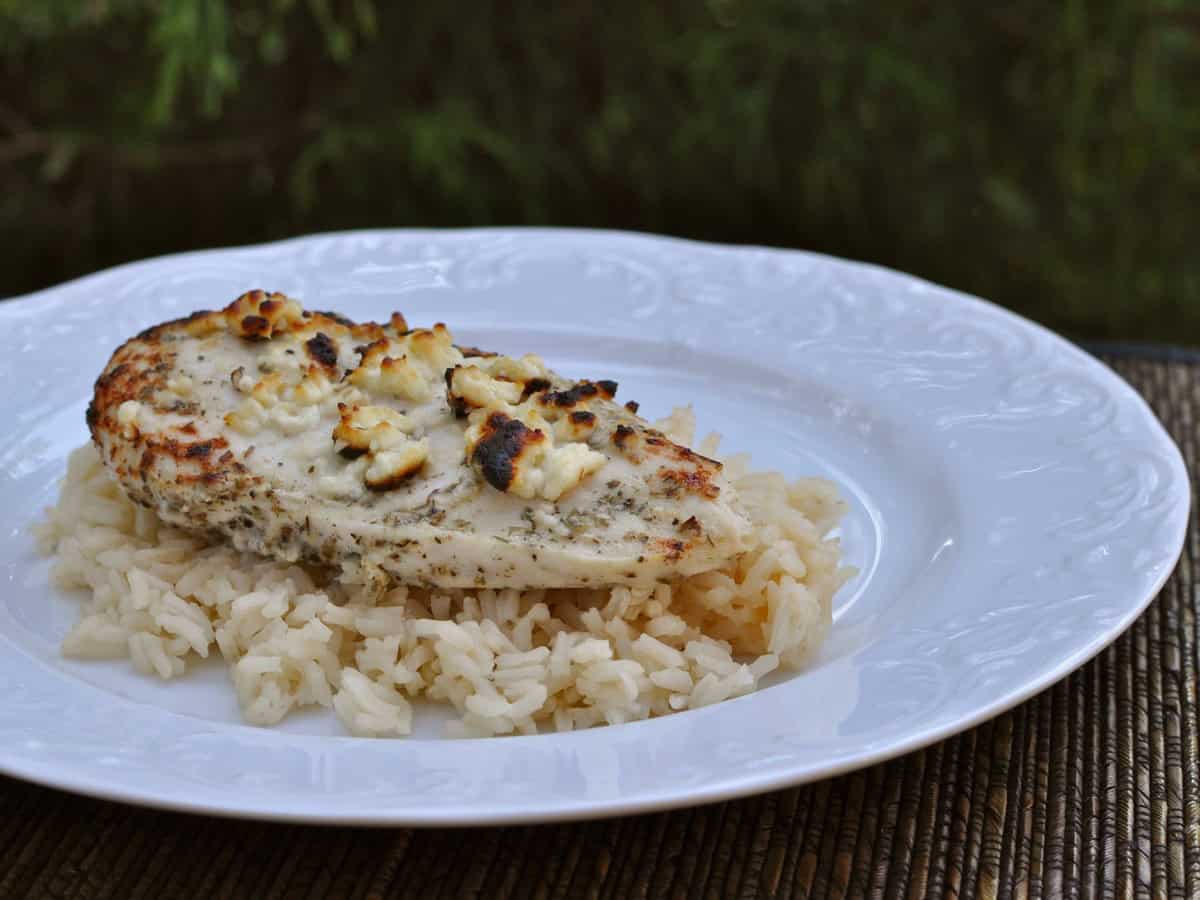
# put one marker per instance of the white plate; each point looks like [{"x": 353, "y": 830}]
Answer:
[{"x": 1014, "y": 505}]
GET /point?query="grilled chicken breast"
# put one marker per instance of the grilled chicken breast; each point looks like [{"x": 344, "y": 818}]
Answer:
[{"x": 399, "y": 456}]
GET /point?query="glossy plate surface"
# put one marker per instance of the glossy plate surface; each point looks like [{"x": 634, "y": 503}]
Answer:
[{"x": 1014, "y": 506}]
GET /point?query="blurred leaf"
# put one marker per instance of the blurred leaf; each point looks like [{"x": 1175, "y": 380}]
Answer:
[
  {"x": 1010, "y": 201},
  {"x": 64, "y": 150},
  {"x": 192, "y": 38},
  {"x": 272, "y": 46},
  {"x": 365, "y": 17}
]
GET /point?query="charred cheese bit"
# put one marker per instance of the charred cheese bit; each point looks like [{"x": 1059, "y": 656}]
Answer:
[
  {"x": 577, "y": 395},
  {"x": 512, "y": 435},
  {"x": 494, "y": 381},
  {"x": 389, "y": 468},
  {"x": 626, "y": 439},
  {"x": 523, "y": 461},
  {"x": 321, "y": 349},
  {"x": 434, "y": 347},
  {"x": 204, "y": 324},
  {"x": 469, "y": 387},
  {"x": 360, "y": 425},
  {"x": 506, "y": 451},
  {"x": 522, "y": 370},
  {"x": 257, "y": 315},
  {"x": 395, "y": 376},
  {"x": 532, "y": 417},
  {"x": 382, "y": 434},
  {"x": 127, "y": 414},
  {"x": 577, "y": 425}
]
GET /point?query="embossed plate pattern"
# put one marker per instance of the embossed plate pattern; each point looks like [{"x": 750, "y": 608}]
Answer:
[{"x": 1014, "y": 506}]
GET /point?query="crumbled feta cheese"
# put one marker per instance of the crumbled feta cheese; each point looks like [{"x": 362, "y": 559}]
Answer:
[
  {"x": 382, "y": 434},
  {"x": 470, "y": 386},
  {"x": 359, "y": 425},
  {"x": 180, "y": 385},
  {"x": 566, "y": 466},
  {"x": 519, "y": 370},
  {"x": 389, "y": 467},
  {"x": 528, "y": 476},
  {"x": 535, "y": 467},
  {"x": 313, "y": 388},
  {"x": 259, "y": 316},
  {"x": 575, "y": 426},
  {"x": 392, "y": 375},
  {"x": 434, "y": 347}
]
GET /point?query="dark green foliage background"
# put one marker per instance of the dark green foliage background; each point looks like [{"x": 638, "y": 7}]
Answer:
[{"x": 1042, "y": 154}]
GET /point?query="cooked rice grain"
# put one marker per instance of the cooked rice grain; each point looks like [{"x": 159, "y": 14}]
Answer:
[{"x": 508, "y": 661}]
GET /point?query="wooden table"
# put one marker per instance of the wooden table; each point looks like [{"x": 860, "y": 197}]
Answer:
[{"x": 1090, "y": 789}]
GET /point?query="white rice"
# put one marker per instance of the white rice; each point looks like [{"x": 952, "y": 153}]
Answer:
[{"x": 508, "y": 661}]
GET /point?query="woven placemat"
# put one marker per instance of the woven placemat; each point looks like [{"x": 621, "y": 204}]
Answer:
[{"x": 1090, "y": 789}]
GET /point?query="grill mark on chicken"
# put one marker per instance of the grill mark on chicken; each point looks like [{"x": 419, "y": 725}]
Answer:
[
  {"x": 657, "y": 445},
  {"x": 698, "y": 481}
]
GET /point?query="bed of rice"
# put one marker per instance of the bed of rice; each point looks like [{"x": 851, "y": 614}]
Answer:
[{"x": 509, "y": 661}]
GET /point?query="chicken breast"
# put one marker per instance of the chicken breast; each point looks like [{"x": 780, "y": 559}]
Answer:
[{"x": 399, "y": 456}]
